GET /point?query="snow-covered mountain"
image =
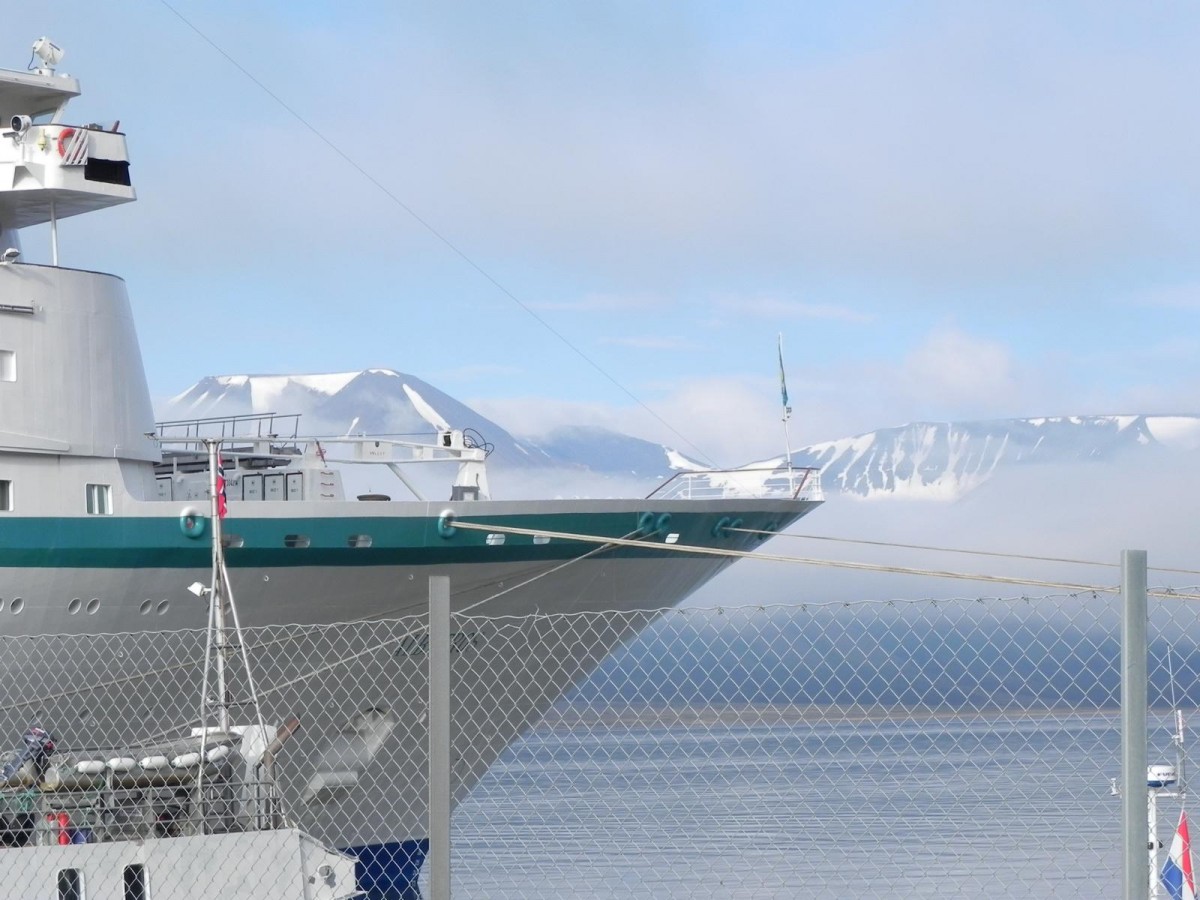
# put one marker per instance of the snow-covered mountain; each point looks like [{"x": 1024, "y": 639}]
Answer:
[
  {"x": 946, "y": 460},
  {"x": 922, "y": 460},
  {"x": 374, "y": 402}
]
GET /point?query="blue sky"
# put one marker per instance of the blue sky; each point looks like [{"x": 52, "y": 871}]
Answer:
[{"x": 949, "y": 210}]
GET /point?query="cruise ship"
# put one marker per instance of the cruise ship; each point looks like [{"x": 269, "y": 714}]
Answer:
[{"x": 105, "y": 516}]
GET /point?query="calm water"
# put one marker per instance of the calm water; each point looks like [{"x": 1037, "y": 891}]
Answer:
[{"x": 993, "y": 806}]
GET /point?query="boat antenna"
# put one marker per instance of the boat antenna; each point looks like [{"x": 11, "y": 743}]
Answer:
[{"x": 787, "y": 414}]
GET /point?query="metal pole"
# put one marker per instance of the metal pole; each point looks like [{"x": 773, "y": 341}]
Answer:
[
  {"x": 53, "y": 234},
  {"x": 1135, "y": 839},
  {"x": 439, "y": 737},
  {"x": 218, "y": 587}
]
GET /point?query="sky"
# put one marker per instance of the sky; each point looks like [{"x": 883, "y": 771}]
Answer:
[{"x": 608, "y": 212}]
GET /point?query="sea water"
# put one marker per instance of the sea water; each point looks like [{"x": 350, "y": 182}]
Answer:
[{"x": 849, "y": 805}]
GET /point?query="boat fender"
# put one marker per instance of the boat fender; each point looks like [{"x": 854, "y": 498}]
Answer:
[
  {"x": 217, "y": 753},
  {"x": 63, "y": 136},
  {"x": 153, "y": 763},
  {"x": 191, "y": 523},
  {"x": 186, "y": 760},
  {"x": 64, "y": 829},
  {"x": 445, "y": 525},
  {"x": 121, "y": 764},
  {"x": 89, "y": 767},
  {"x": 661, "y": 523},
  {"x": 646, "y": 523}
]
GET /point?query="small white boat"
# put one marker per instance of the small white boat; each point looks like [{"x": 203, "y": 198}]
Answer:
[{"x": 188, "y": 820}]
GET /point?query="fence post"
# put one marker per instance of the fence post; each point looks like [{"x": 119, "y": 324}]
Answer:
[
  {"x": 439, "y": 737},
  {"x": 1135, "y": 836}
]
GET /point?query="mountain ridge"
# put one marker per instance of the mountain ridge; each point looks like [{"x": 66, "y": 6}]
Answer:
[{"x": 928, "y": 460}]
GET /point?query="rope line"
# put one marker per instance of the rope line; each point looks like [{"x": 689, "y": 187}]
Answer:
[
  {"x": 1023, "y": 556},
  {"x": 809, "y": 561}
]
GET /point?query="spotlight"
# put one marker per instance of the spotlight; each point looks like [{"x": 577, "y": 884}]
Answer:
[{"x": 48, "y": 52}]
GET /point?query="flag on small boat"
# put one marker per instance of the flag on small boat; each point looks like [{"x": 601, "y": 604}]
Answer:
[{"x": 1177, "y": 871}]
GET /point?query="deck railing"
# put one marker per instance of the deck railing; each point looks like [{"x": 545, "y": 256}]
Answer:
[{"x": 757, "y": 482}]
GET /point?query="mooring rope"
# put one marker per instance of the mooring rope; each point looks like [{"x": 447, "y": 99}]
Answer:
[
  {"x": 1021, "y": 556},
  {"x": 806, "y": 561}
]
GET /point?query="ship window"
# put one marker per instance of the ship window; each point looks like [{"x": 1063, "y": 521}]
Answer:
[
  {"x": 135, "y": 883},
  {"x": 70, "y": 884},
  {"x": 359, "y": 540},
  {"x": 6, "y": 496},
  {"x": 99, "y": 500},
  {"x": 296, "y": 540},
  {"x": 8, "y": 365},
  {"x": 232, "y": 540}
]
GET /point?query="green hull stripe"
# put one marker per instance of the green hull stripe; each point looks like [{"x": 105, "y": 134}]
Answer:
[{"x": 109, "y": 542}]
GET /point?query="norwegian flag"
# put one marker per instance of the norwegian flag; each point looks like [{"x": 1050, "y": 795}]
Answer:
[
  {"x": 222, "y": 500},
  {"x": 1177, "y": 872}
]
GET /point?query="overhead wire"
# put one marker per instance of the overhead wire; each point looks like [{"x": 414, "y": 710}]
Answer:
[{"x": 429, "y": 227}]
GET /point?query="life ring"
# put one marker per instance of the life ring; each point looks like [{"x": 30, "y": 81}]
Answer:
[
  {"x": 191, "y": 523},
  {"x": 645, "y": 524},
  {"x": 661, "y": 523},
  {"x": 63, "y": 136}
]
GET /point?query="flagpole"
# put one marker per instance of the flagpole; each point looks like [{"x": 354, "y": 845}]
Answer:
[
  {"x": 787, "y": 414},
  {"x": 217, "y": 595}
]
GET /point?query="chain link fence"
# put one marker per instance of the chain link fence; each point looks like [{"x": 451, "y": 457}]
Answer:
[{"x": 918, "y": 748}]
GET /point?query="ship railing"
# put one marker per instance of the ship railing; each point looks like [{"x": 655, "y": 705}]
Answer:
[
  {"x": 240, "y": 442},
  {"x": 753, "y": 482},
  {"x": 100, "y": 812},
  {"x": 62, "y": 144},
  {"x": 252, "y": 426}
]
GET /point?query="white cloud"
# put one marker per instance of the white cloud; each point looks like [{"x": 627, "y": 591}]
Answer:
[
  {"x": 652, "y": 342},
  {"x": 957, "y": 372},
  {"x": 608, "y": 302},
  {"x": 779, "y": 308}
]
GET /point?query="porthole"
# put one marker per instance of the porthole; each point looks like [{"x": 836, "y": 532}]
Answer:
[
  {"x": 296, "y": 540},
  {"x": 16, "y": 606},
  {"x": 495, "y": 540},
  {"x": 232, "y": 540},
  {"x": 146, "y": 606},
  {"x": 359, "y": 540},
  {"x": 74, "y": 606},
  {"x": 541, "y": 538},
  {"x": 1, "y": 604},
  {"x": 93, "y": 606},
  {"x": 163, "y": 606}
]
